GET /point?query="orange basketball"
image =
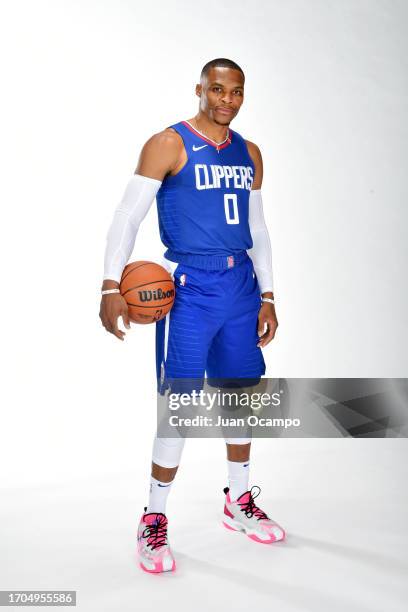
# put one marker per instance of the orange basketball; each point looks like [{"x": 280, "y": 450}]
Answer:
[{"x": 148, "y": 290}]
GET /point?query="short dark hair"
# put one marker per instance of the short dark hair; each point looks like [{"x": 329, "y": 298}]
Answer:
[{"x": 220, "y": 62}]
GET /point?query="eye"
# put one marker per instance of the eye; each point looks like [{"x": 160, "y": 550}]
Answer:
[
  {"x": 238, "y": 91},
  {"x": 216, "y": 88}
]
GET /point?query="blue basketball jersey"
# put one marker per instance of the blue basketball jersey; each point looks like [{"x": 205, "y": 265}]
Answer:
[{"x": 203, "y": 209}]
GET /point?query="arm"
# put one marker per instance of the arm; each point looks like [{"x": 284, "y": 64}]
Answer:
[
  {"x": 120, "y": 240},
  {"x": 261, "y": 252},
  {"x": 159, "y": 156}
]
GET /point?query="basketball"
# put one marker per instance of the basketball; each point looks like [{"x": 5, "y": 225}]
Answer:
[{"x": 148, "y": 290}]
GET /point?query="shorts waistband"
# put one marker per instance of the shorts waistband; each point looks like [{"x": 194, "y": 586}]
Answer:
[{"x": 207, "y": 262}]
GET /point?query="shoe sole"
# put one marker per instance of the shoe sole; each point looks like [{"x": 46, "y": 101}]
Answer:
[
  {"x": 233, "y": 526},
  {"x": 158, "y": 571}
]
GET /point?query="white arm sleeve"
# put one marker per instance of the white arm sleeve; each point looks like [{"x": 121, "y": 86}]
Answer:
[
  {"x": 261, "y": 252},
  {"x": 132, "y": 209}
]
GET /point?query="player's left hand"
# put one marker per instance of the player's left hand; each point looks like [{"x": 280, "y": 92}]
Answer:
[{"x": 266, "y": 317}]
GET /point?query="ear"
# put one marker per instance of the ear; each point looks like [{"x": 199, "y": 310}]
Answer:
[{"x": 198, "y": 90}]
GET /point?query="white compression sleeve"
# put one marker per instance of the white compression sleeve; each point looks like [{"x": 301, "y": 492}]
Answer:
[
  {"x": 261, "y": 252},
  {"x": 132, "y": 209}
]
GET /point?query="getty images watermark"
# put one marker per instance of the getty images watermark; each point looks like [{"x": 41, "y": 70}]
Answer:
[
  {"x": 220, "y": 399},
  {"x": 219, "y": 408},
  {"x": 283, "y": 407}
]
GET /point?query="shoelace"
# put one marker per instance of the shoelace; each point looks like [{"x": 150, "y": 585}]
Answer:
[
  {"x": 250, "y": 508},
  {"x": 156, "y": 533}
]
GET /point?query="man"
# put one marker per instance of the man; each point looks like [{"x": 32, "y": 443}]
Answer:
[{"x": 207, "y": 180}]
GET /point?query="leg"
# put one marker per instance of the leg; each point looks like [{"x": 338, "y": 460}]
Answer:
[
  {"x": 154, "y": 551},
  {"x": 163, "y": 474},
  {"x": 182, "y": 340},
  {"x": 235, "y": 358},
  {"x": 238, "y": 451},
  {"x": 165, "y": 461}
]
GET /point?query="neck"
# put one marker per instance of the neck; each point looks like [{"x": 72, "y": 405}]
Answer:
[{"x": 209, "y": 128}]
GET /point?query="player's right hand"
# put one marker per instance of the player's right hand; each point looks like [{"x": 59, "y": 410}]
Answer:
[{"x": 113, "y": 306}]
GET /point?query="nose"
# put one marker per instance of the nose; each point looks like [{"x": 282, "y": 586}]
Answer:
[{"x": 226, "y": 98}]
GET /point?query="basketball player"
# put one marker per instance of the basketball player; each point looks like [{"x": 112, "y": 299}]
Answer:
[{"x": 207, "y": 182}]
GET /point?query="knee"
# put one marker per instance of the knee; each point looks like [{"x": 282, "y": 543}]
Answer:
[{"x": 167, "y": 451}]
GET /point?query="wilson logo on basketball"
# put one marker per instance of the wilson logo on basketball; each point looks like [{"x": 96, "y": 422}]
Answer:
[
  {"x": 149, "y": 291},
  {"x": 156, "y": 294}
]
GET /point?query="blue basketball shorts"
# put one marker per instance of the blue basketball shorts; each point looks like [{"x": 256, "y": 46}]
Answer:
[{"x": 211, "y": 330}]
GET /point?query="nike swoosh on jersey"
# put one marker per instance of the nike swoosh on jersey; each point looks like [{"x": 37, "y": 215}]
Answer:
[{"x": 198, "y": 148}]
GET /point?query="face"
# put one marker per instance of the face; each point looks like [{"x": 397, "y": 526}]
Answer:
[{"x": 221, "y": 94}]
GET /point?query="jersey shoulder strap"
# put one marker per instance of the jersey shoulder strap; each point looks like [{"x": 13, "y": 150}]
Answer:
[{"x": 186, "y": 134}]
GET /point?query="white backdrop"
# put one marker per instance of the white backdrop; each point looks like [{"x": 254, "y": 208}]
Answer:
[{"x": 86, "y": 83}]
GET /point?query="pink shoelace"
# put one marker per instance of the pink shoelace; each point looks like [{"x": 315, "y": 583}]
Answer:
[
  {"x": 249, "y": 507},
  {"x": 156, "y": 532}
]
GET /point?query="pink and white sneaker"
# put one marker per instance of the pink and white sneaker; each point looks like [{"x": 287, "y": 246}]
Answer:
[
  {"x": 154, "y": 551},
  {"x": 244, "y": 515}
]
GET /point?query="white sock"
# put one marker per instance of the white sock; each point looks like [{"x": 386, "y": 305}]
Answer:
[
  {"x": 158, "y": 495},
  {"x": 238, "y": 476}
]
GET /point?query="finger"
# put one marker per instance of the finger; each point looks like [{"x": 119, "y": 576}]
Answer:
[
  {"x": 268, "y": 336},
  {"x": 116, "y": 331},
  {"x": 125, "y": 319},
  {"x": 265, "y": 340},
  {"x": 261, "y": 326},
  {"x": 107, "y": 326}
]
